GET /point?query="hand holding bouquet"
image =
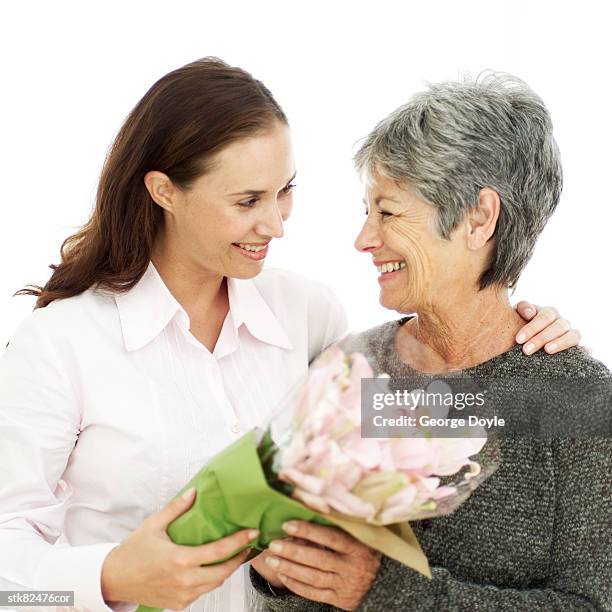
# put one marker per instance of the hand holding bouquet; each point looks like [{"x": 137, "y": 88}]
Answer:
[{"x": 321, "y": 470}]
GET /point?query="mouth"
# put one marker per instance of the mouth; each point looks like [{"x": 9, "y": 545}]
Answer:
[
  {"x": 255, "y": 251},
  {"x": 390, "y": 269}
]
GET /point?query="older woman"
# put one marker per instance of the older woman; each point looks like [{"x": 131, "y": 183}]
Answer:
[{"x": 460, "y": 183}]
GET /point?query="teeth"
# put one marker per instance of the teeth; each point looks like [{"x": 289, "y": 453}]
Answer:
[
  {"x": 391, "y": 266},
  {"x": 251, "y": 247}
]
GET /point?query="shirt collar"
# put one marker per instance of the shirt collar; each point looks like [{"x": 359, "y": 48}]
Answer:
[
  {"x": 248, "y": 307},
  {"x": 147, "y": 308}
]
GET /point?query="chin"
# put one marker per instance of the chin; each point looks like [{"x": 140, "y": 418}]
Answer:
[
  {"x": 402, "y": 304},
  {"x": 387, "y": 301}
]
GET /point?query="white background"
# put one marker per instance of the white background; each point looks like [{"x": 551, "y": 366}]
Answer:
[{"x": 72, "y": 71}]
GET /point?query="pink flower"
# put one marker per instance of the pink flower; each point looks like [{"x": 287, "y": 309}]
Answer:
[
  {"x": 399, "y": 506},
  {"x": 350, "y": 399},
  {"x": 412, "y": 454},
  {"x": 343, "y": 501},
  {"x": 316, "y": 502},
  {"x": 329, "y": 365},
  {"x": 453, "y": 454},
  {"x": 379, "y": 487},
  {"x": 348, "y": 475},
  {"x": 307, "y": 482},
  {"x": 380, "y": 480},
  {"x": 366, "y": 452}
]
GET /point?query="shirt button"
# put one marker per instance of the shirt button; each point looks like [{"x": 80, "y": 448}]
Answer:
[{"x": 235, "y": 428}]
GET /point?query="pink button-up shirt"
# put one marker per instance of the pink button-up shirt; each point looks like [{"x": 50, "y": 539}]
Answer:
[{"x": 109, "y": 405}]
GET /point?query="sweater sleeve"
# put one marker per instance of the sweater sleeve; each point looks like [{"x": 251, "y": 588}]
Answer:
[
  {"x": 278, "y": 600},
  {"x": 580, "y": 575}
]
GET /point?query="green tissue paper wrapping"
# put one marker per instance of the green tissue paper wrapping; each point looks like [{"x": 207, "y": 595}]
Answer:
[{"x": 233, "y": 494}]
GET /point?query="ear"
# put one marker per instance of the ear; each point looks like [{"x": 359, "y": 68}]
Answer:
[
  {"x": 482, "y": 219},
  {"x": 161, "y": 189}
]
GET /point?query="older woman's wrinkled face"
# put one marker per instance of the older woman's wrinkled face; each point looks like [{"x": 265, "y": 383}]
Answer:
[{"x": 416, "y": 265}]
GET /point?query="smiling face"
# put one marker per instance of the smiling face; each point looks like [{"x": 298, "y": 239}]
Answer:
[
  {"x": 224, "y": 223},
  {"x": 417, "y": 267}
]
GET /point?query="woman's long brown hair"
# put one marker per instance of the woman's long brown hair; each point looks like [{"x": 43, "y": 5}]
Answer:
[{"x": 186, "y": 117}]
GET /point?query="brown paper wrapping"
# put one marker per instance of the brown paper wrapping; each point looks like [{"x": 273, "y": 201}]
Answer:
[{"x": 396, "y": 541}]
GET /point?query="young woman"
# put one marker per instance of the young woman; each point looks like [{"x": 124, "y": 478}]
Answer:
[{"x": 157, "y": 341}]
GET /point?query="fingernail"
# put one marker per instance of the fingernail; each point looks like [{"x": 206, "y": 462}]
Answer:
[
  {"x": 290, "y": 527},
  {"x": 188, "y": 494},
  {"x": 276, "y": 547},
  {"x": 521, "y": 338},
  {"x": 551, "y": 347},
  {"x": 529, "y": 312},
  {"x": 529, "y": 348},
  {"x": 272, "y": 561},
  {"x": 253, "y": 534}
]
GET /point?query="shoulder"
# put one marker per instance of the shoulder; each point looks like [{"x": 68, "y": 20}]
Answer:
[
  {"x": 569, "y": 392},
  {"x": 380, "y": 336},
  {"x": 571, "y": 363},
  {"x": 376, "y": 342},
  {"x": 275, "y": 283},
  {"x": 309, "y": 308},
  {"x": 75, "y": 318},
  {"x": 299, "y": 296}
]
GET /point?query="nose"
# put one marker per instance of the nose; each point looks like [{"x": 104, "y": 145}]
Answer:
[
  {"x": 271, "y": 224},
  {"x": 368, "y": 238}
]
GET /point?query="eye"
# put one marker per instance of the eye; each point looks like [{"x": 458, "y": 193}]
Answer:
[
  {"x": 248, "y": 203},
  {"x": 384, "y": 214},
  {"x": 288, "y": 188}
]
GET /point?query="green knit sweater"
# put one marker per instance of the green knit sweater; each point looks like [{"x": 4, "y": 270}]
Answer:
[{"x": 537, "y": 535}]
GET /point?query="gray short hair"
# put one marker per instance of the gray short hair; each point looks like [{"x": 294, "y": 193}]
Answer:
[{"x": 455, "y": 138}]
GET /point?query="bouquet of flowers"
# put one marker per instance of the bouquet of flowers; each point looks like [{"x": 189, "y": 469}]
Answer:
[{"x": 321, "y": 469}]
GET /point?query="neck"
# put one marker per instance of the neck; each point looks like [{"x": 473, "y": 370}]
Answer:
[
  {"x": 197, "y": 291},
  {"x": 460, "y": 333}
]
